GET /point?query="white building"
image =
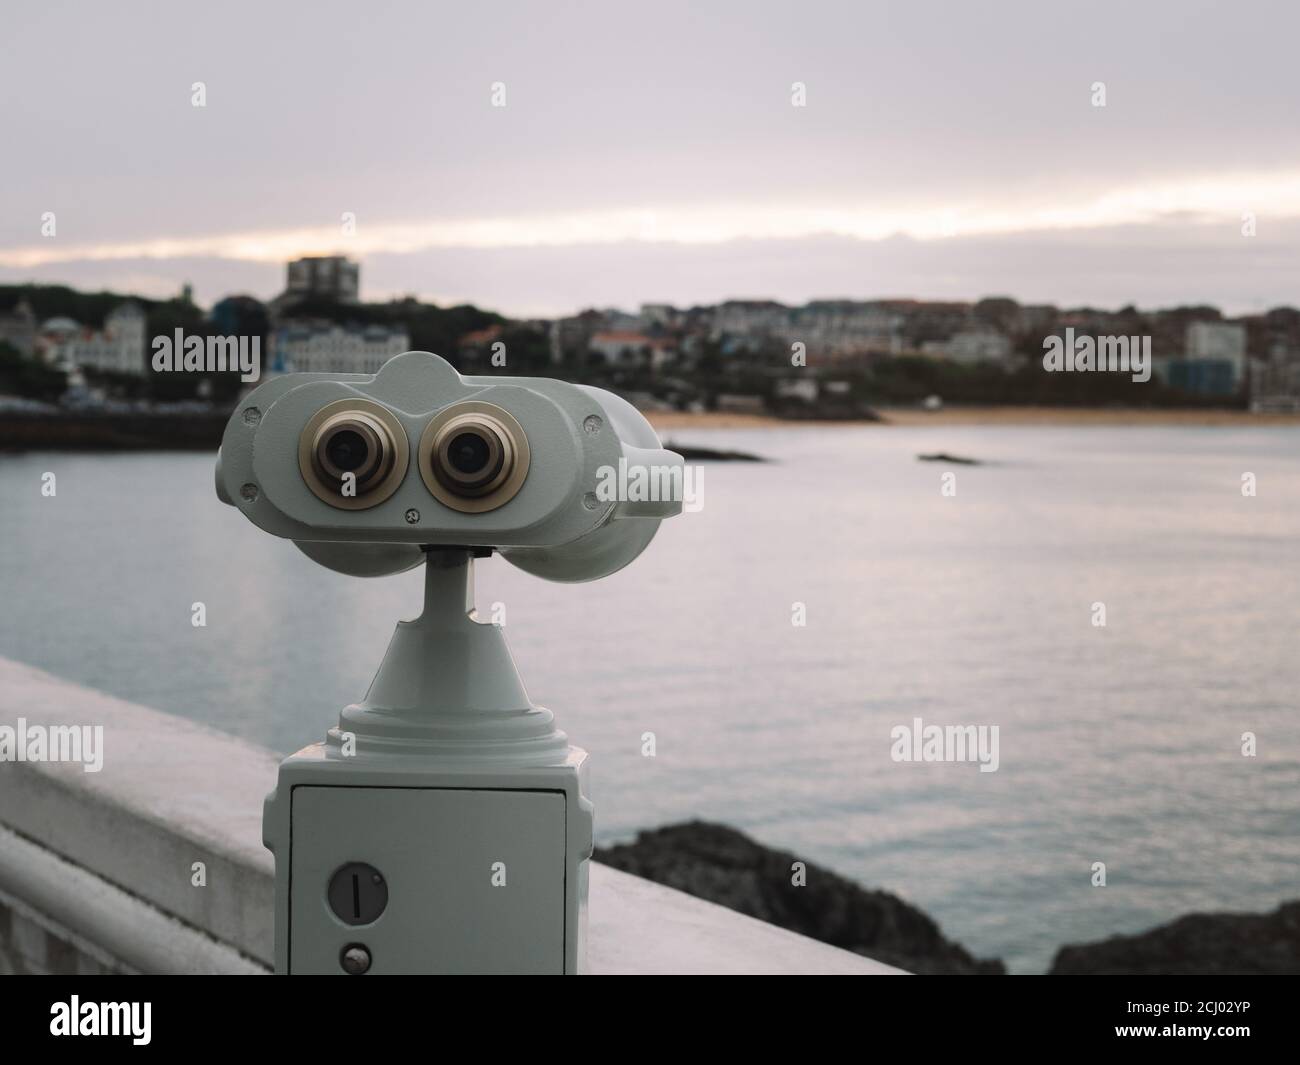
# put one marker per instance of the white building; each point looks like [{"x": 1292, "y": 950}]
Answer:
[
  {"x": 1275, "y": 384},
  {"x": 835, "y": 329},
  {"x": 117, "y": 348},
  {"x": 1216, "y": 340},
  {"x": 829, "y": 329},
  {"x": 750, "y": 319},
  {"x": 1221, "y": 342},
  {"x": 619, "y": 346},
  {"x": 971, "y": 345},
  {"x": 664, "y": 315},
  {"x": 326, "y": 347},
  {"x": 613, "y": 320},
  {"x": 332, "y": 276}
]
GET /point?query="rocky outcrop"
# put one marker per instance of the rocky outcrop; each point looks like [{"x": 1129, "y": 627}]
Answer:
[
  {"x": 725, "y": 866},
  {"x": 1199, "y": 944},
  {"x": 695, "y": 453}
]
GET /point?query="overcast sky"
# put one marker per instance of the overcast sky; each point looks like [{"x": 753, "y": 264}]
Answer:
[{"x": 650, "y": 151}]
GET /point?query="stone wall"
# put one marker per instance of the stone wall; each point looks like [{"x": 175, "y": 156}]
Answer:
[{"x": 155, "y": 862}]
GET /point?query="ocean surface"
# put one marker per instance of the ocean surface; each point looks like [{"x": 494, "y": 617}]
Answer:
[{"x": 1118, "y": 744}]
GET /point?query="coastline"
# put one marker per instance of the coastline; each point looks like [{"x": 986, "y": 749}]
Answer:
[
  {"x": 912, "y": 416},
  {"x": 92, "y": 430},
  {"x": 725, "y": 866}
]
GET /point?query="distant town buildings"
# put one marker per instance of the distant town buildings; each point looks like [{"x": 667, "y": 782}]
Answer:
[
  {"x": 750, "y": 320},
  {"x": 317, "y": 345},
  {"x": 328, "y": 277},
  {"x": 1214, "y": 362},
  {"x": 1195, "y": 350},
  {"x": 475, "y": 348},
  {"x": 627, "y": 346},
  {"x": 1216, "y": 340},
  {"x": 740, "y": 354},
  {"x": 836, "y": 329},
  {"x": 1217, "y": 350},
  {"x": 1200, "y": 377},
  {"x": 663, "y": 315},
  {"x": 239, "y": 316},
  {"x": 327, "y": 347},
  {"x": 1275, "y": 385},
  {"x": 117, "y": 348},
  {"x": 970, "y": 346},
  {"x": 18, "y": 328}
]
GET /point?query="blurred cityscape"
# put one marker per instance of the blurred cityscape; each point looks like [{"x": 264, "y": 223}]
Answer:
[{"x": 61, "y": 349}]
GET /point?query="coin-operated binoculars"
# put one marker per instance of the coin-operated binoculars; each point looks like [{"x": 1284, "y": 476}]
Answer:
[{"x": 443, "y": 826}]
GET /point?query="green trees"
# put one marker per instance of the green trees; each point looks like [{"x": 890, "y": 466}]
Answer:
[{"x": 28, "y": 377}]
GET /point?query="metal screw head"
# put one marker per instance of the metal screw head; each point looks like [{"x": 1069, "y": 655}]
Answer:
[
  {"x": 412, "y": 517},
  {"x": 355, "y": 959},
  {"x": 592, "y": 423},
  {"x": 248, "y": 492},
  {"x": 252, "y": 415}
]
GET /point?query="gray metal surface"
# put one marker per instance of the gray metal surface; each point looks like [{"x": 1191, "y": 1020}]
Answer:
[
  {"x": 455, "y": 798},
  {"x": 475, "y": 879},
  {"x": 555, "y": 527}
]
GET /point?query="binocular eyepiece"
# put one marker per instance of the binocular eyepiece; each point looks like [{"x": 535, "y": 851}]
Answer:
[
  {"x": 365, "y": 472},
  {"x": 353, "y": 454},
  {"x": 473, "y": 457}
]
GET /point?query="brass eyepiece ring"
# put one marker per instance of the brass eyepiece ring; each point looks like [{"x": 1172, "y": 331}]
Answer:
[
  {"x": 473, "y": 456},
  {"x": 353, "y": 454}
]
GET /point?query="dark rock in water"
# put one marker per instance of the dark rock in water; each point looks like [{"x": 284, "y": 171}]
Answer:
[
  {"x": 1198, "y": 944},
  {"x": 943, "y": 456},
  {"x": 725, "y": 866},
  {"x": 691, "y": 453}
]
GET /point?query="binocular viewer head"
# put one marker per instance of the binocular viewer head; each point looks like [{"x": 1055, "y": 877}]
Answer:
[{"x": 365, "y": 471}]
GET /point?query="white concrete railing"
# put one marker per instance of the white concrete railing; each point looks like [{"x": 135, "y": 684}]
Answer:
[{"x": 96, "y": 868}]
